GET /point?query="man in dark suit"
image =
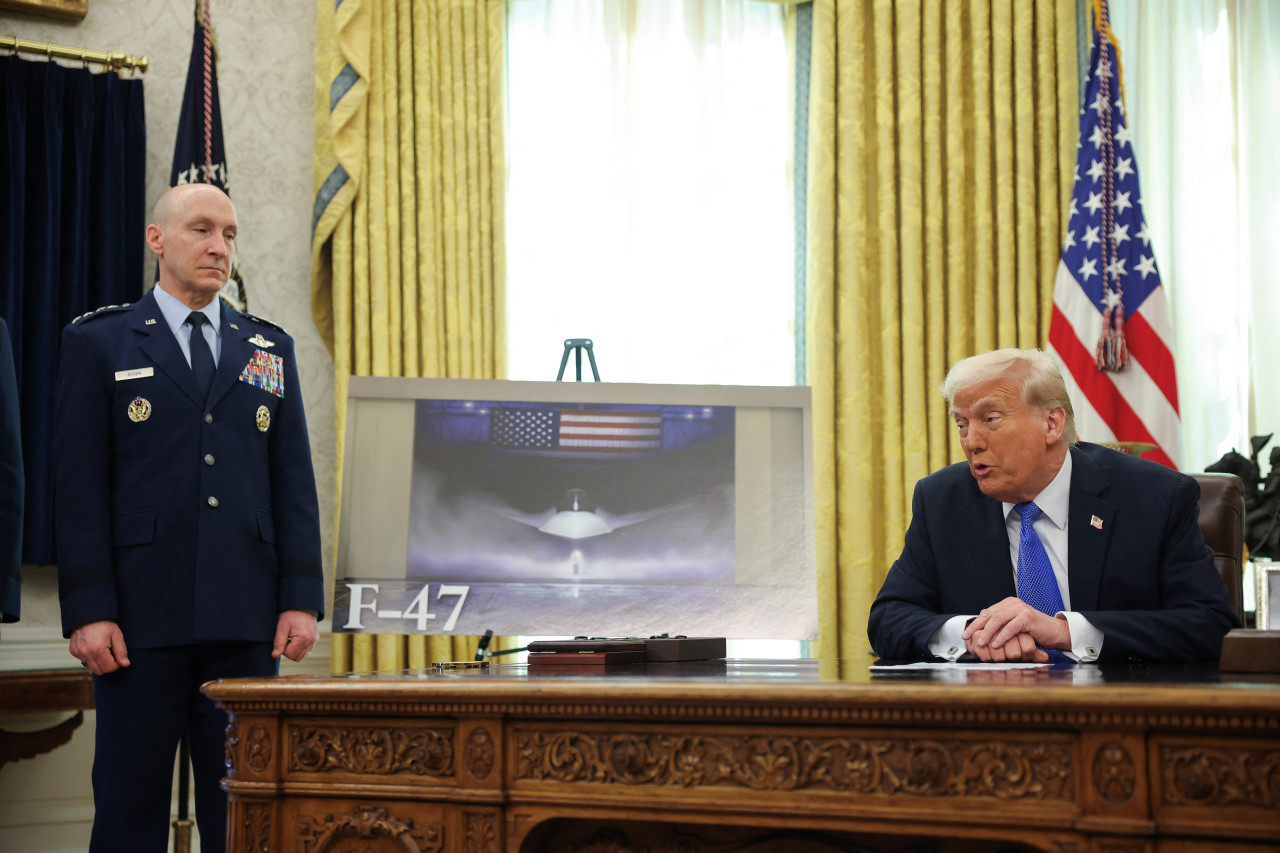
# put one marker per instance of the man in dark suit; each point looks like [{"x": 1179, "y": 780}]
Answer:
[
  {"x": 187, "y": 523},
  {"x": 1109, "y": 561},
  {"x": 12, "y": 485}
]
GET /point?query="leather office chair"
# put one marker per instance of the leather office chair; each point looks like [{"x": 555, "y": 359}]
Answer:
[{"x": 1222, "y": 525}]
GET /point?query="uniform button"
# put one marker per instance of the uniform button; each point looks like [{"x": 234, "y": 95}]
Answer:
[
  {"x": 213, "y": 502},
  {"x": 208, "y": 418},
  {"x": 208, "y": 459}
]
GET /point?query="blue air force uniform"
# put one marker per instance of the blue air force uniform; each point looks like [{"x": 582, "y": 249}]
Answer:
[{"x": 191, "y": 524}]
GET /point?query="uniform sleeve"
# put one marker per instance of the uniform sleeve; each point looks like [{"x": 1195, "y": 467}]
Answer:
[
  {"x": 12, "y": 485},
  {"x": 294, "y": 503},
  {"x": 82, "y": 485}
]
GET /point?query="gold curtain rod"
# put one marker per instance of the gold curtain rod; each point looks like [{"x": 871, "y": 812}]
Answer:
[{"x": 114, "y": 60}]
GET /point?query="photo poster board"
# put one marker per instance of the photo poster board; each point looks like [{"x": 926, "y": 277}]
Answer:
[{"x": 576, "y": 509}]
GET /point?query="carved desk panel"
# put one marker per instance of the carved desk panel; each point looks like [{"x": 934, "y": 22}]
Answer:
[{"x": 754, "y": 756}]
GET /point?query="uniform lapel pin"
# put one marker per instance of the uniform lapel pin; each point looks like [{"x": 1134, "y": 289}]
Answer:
[{"x": 1096, "y": 522}]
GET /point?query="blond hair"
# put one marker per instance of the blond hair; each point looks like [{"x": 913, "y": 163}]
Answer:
[{"x": 1043, "y": 387}]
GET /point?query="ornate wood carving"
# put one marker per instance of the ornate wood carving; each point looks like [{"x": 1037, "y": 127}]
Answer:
[
  {"x": 1195, "y": 776},
  {"x": 1114, "y": 773},
  {"x": 257, "y": 749},
  {"x": 481, "y": 833},
  {"x": 863, "y": 763},
  {"x": 480, "y": 753},
  {"x": 232, "y": 746},
  {"x": 257, "y": 828},
  {"x": 367, "y": 829},
  {"x": 381, "y": 750},
  {"x": 941, "y": 767}
]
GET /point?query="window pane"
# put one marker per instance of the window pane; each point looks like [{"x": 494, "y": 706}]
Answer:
[{"x": 649, "y": 190}]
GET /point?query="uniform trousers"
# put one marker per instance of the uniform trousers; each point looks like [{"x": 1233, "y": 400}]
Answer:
[{"x": 141, "y": 712}]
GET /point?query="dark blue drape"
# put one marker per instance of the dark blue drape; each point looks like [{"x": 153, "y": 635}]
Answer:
[{"x": 72, "y": 215}]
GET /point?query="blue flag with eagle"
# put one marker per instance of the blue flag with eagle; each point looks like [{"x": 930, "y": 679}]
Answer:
[{"x": 199, "y": 155}]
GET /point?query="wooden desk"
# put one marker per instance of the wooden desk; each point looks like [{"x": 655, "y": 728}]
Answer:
[
  {"x": 754, "y": 756},
  {"x": 39, "y": 692}
]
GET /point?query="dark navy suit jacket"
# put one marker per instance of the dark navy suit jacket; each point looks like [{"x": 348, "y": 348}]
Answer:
[
  {"x": 185, "y": 522},
  {"x": 11, "y": 485},
  {"x": 1143, "y": 575}
]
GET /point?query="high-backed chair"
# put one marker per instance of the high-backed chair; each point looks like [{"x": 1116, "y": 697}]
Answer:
[{"x": 1222, "y": 525}]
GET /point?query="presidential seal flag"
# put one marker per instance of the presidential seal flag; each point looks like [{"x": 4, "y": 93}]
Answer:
[
  {"x": 1110, "y": 328},
  {"x": 199, "y": 155}
]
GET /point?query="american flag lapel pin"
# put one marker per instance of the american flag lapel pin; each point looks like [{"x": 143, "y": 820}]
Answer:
[{"x": 1095, "y": 522}]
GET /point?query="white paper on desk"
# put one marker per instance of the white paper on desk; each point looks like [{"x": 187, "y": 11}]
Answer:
[{"x": 954, "y": 665}]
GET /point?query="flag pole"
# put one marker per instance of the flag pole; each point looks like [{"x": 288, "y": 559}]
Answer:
[{"x": 182, "y": 826}]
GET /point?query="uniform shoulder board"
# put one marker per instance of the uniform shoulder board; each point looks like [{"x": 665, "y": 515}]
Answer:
[
  {"x": 262, "y": 321},
  {"x": 98, "y": 312}
]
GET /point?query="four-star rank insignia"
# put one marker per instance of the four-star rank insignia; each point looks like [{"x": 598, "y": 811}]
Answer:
[
  {"x": 139, "y": 410},
  {"x": 263, "y": 419},
  {"x": 259, "y": 341}
]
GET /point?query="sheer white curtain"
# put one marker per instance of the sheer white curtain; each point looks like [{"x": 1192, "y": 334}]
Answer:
[
  {"x": 1202, "y": 88},
  {"x": 649, "y": 198}
]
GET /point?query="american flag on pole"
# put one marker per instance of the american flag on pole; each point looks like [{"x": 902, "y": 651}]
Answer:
[
  {"x": 199, "y": 155},
  {"x": 1110, "y": 327},
  {"x": 576, "y": 430}
]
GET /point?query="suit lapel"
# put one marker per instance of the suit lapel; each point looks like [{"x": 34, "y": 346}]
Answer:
[
  {"x": 235, "y": 354},
  {"x": 1089, "y": 526},
  {"x": 158, "y": 343},
  {"x": 991, "y": 548}
]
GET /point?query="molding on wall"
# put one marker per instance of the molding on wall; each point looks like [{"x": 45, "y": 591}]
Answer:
[
  {"x": 34, "y": 648},
  {"x": 78, "y": 810}
]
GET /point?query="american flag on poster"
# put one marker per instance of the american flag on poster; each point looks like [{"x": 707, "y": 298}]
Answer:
[
  {"x": 575, "y": 430},
  {"x": 1110, "y": 327}
]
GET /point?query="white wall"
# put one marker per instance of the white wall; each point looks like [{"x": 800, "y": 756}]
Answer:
[{"x": 266, "y": 70}]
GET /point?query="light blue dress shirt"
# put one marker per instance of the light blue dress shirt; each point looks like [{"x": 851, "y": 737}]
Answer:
[{"x": 176, "y": 313}]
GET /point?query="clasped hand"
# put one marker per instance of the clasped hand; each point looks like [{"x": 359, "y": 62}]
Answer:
[{"x": 1012, "y": 630}]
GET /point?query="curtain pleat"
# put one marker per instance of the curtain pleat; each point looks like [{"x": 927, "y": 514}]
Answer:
[
  {"x": 407, "y": 246},
  {"x": 940, "y": 160},
  {"x": 73, "y": 151}
]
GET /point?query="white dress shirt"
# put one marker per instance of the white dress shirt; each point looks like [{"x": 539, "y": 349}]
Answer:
[{"x": 1054, "y": 502}]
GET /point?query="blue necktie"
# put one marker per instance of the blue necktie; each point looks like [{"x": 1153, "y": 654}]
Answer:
[
  {"x": 1037, "y": 585},
  {"x": 201, "y": 356}
]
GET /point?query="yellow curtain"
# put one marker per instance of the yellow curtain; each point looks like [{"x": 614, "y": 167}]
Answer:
[
  {"x": 407, "y": 243},
  {"x": 941, "y": 143}
]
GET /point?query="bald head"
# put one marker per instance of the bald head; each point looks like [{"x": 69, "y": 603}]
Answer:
[
  {"x": 193, "y": 234},
  {"x": 175, "y": 199}
]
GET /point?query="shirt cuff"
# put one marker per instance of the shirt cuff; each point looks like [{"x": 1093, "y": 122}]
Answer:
[
  {"x": 946, "y": 642},
  {"x": 1086, "y": 640}
]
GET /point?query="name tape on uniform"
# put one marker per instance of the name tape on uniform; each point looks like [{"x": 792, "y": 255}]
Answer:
[{"x": 136, "y": 373}]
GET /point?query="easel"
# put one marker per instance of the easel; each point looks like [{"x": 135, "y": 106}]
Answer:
[{"x": 578, "y": 345}]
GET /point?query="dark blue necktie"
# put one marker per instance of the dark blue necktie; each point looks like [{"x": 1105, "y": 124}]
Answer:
[
  {"x": 1037, "y": 585},
  {"x": 201, "y": 356}
]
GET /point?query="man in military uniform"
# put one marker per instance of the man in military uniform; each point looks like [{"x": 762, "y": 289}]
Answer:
[{"x": 187, "y": 523}]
